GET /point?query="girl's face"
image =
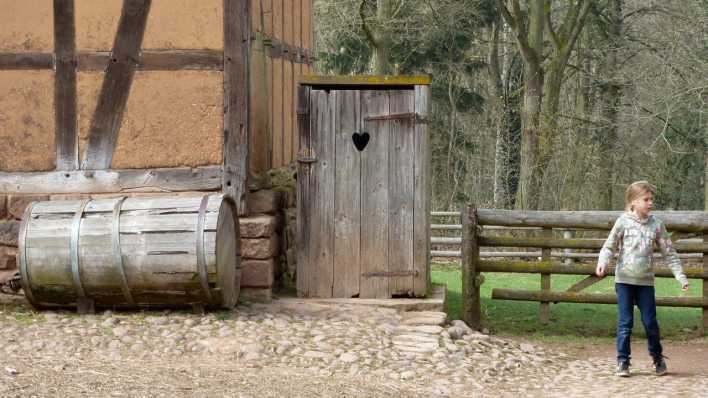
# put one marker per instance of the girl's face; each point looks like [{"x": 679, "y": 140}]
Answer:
[{"x": 643, "y": 204}]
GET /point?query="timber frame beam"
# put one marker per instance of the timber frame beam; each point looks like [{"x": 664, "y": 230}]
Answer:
[{"x": 110, "y": 181}]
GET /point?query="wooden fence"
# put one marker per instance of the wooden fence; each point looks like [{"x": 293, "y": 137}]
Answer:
[
  {"x": 474, "y": 221},
  {"x": 450, "y": 235}
]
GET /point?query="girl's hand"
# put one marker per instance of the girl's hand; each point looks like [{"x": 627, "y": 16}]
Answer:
[
  {"x": 600, "y": 270},
  {"x": 685, "y": 287}
]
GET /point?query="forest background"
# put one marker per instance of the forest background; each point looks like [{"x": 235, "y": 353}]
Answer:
[{"x": 543, "y": 104}]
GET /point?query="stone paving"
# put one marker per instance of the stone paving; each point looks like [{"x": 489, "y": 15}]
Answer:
[{"x": 276, "y": 349}]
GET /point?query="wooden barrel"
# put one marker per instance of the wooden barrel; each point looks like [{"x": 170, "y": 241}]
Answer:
[{"x": 128, "y": 252}]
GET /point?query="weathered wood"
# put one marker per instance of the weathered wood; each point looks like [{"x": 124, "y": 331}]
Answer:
[
  {"x": 457, "y": 253},
  {"x": 304, "y": 178},
  {"x": 26, "y": 61},
  {"x": 322, "y": 237},
  {"x": 366, "y": 81},
  {"x": 277, "y": 117},
  {"x": 237, "y": 44},
  {"x": 155, "y": 60},
  {"x": 110, "y": 181},
  {"x": 506, "y": 241},
  {"x": 705, "y": 285},
  {"x": 259, "y": 141},
  {"x": 106, "y": 121},
  {"x": 288, "y": 112},
  {"x": 589, "y": 281},
  {"x": 374, "y": 191},
  {"x": 65, "y": 124},
  {"x": 556, "y": 267},
  {"x": 422, "y": 191},
  {"x": 347, "y": 197},
  {"x": 590, "y": 298},
  {"x": 159, "y": 262},
  {"x": 288, "y": 83},
  {"x": 401, "y": 157},
  {"x": 682, "y": 221},
  {"x": 471, "y": 312},
  {"x": 544, "y": 312}
]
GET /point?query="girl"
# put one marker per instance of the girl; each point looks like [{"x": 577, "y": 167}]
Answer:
[{"x": 634, "y": 234}]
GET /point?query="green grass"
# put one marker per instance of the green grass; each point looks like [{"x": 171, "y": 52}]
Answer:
[{"x": 567, "y": 319}]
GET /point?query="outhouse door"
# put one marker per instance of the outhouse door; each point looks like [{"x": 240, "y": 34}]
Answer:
[{"x": 363, "y": 191}]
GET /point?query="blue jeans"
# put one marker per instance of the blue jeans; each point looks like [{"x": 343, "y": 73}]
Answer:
[{"x": 643, "y": 297}]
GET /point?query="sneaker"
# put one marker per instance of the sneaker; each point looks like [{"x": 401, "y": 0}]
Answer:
[
  {"x": 623, "y": 368},
  {"x": 660, "y": 366}
]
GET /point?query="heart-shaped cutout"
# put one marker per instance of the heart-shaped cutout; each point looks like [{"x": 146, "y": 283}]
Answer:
[{"x": 360, "y": 140}]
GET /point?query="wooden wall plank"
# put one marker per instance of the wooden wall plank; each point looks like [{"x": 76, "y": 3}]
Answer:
[
  {"x": 421, "y": 211},
  {"x": 259, "y": 115},
  {"x": 347, "y": 196},
  {"x": 106, "y": 121},
  {"x": 288, "y": 84},
  {"x": 288, "y": 112},
  {"x": 374, "y": 194},
  {"x": 304, "y": 182},
  {"x": 26, "y": 61},
  {"x": 401, "y": 193},
  {"x": 322, "y": 194},
  {"x": 278, "y": 118},
  {"x": 109, "y": 181},
  {"x": 277, "y": 114},
  {"x": 237, "y": 33},
  {"x": 65, "y": 121}
]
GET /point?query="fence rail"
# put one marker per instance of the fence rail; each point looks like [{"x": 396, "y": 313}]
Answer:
[
  {"x": 685, "y": 247},
  {"x": 473, "y": 226}
]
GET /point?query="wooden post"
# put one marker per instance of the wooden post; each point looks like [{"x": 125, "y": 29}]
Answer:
[
  {"x": 704, "y": 330},
  {"x": 471, "y": 280},
  {"x": 568, "y": 234},
  {"x": 237, "y": 45},
  {"x": 545, "y": 308}
]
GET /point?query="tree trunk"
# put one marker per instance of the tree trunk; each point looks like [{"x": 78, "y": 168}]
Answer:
[
  {"x": 381, "y": 55},
  {"x": 508, "y": 124},
  {"x": 530, "y": 179},
  {"x": 610, "y": 100}
]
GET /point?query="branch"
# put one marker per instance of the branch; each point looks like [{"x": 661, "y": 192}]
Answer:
[
  {"x": 516, "y": 23},
  {"x": 578, "y": 26},
  {"x": 549, "y": 25}
]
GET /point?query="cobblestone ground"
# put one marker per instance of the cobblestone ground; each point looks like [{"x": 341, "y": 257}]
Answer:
[{"x": 282, "y": 350}]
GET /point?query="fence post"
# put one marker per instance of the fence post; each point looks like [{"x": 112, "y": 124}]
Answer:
[
  {"x": 704, "y": 327},
  {"x": 471, "y": 281},
  {"x": 568, "y": 234},
  {"x": 545, "y": 309}
]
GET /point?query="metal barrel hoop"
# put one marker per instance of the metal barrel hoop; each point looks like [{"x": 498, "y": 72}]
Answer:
[
  {"x": 117, "y": 256},
  {"x": 74, "y": 249},
  {"x": 201, "y": 253},
  {"x": 24, "y": 270}
]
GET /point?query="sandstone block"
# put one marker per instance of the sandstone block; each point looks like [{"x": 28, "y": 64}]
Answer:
[
  {"x": 257, "y": 273},
  {"x": 265, "y": 202},
  {"x": 3, "y": 206},
  {"x": 8, "y": 258},
  {"x": 256, "y": 295},
  {"x": 260, "y": 248},
  {"x": 16, "y": 204},
  {"x": 9, "y": 232},
  {"x": 258, "y": 226}
]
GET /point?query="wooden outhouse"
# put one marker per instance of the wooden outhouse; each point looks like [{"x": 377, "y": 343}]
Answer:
[{"x": 363, "y": 187}]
